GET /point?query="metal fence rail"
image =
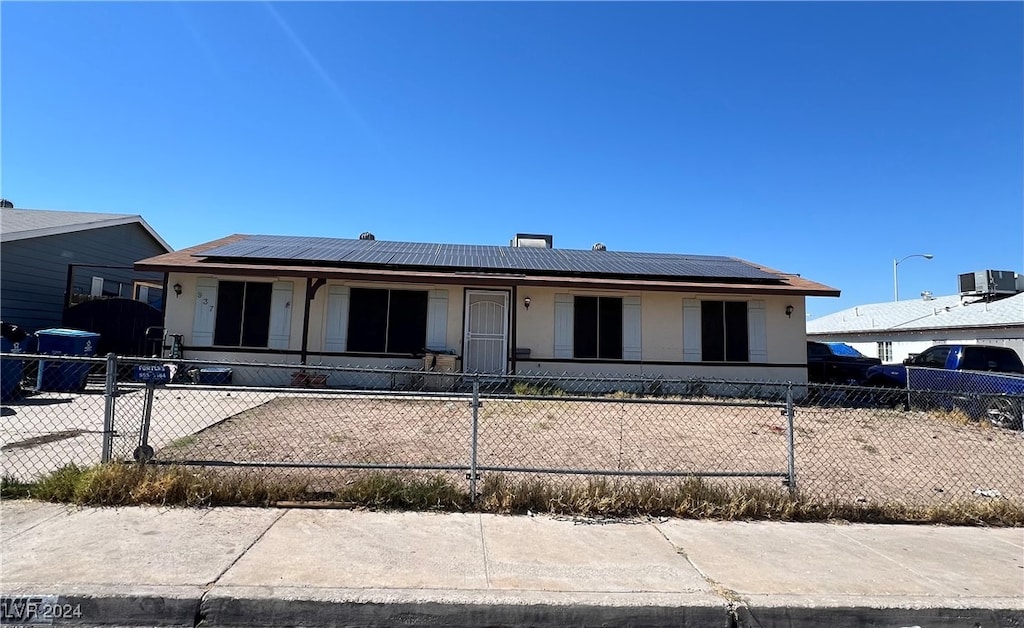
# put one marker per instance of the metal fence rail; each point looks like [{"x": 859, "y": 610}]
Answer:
[{"x": 321, "y": 424}]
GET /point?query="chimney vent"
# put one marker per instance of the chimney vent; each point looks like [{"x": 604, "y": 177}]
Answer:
[
  {"x": 366, "y": 235},
  {"x": 599, "y": 246},
  {"x": 534, "y": 240}
]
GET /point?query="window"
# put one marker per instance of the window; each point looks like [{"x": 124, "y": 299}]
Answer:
[
  {"x": 243, "y": 314},
  {"x": 724, "y": 331},
  {"x": 597, "y": 327},
  {"x": 933, "y": 358},
  {"x": 885, "y": 351},
  {"x": 387, "y": 321}
]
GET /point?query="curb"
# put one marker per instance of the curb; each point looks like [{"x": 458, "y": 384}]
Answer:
[
  {"x": 273, "y": 613},
  {"x": 100, "y": 609},
  {"x": 810, "y": 617}
]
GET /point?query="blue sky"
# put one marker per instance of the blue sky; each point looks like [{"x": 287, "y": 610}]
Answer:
[{"x": 818, "y": 138}]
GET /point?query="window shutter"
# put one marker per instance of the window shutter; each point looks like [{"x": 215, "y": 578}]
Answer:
[
  {"x": 631, "y": 333},
  {"x": 280, "y": 315},
  {"x": 563, "y": 325},
  {"x": 205, "y": 313},
  {"x": 757, "y": 324},
  {"x": 336, "y": 335},
  {"x": 691, "y": 330},
  {"x": 437, "y": 320}
]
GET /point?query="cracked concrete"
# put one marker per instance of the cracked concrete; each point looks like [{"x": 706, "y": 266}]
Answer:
[{"x": 272, "y": 567}]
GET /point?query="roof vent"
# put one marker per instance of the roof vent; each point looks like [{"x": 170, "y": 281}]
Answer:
[
  {"x": 599, "y": 246},
  {"x": 366, "y": 235},
  {"x": 6, "y": 204},
  {"x": 927, "y": 296},
  {"x": 535, "y": 240}
]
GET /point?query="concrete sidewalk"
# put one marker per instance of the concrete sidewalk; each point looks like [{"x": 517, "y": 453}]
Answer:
[{"x": 274, "y": 567}]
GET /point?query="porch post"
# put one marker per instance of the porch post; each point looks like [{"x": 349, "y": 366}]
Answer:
[{"x": 312, "y": 285}]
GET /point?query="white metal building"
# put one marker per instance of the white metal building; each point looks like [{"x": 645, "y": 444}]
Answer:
[{"x": 895, "y": 330}]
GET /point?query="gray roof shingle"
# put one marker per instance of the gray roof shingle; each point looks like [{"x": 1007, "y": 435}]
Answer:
[{"x": 22, "y": 224}]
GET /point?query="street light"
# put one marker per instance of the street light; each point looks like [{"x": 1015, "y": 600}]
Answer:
[{"x": 895, "y": 275}]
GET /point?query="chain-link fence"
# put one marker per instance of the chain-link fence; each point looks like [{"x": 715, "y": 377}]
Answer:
[{"x": 958, "y": 440}]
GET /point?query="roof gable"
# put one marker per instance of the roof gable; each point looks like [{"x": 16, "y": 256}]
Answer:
[{"x": 24, "y": 224}]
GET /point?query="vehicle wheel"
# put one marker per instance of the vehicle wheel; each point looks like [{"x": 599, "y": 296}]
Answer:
[{"x": 1004, "y": 412}]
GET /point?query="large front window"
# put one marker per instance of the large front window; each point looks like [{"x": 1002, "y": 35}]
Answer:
[
  {"x": 243, "y": 314},
  {"x": 387, "y": 321},
  {"x": 597, "y": 328},
  {"x": 724, "y": 331}
]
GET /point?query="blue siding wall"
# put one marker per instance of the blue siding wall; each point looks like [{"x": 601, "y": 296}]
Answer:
[{"x": 33, "y": 272}]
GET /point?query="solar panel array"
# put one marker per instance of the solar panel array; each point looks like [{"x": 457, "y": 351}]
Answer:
[{"x": 530, "y": 260}]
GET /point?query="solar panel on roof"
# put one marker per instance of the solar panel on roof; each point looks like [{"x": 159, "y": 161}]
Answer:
[{"x": 499, "y": 258}]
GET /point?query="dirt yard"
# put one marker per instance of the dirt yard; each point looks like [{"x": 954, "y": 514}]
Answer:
[{"x": 848, "y": 454}]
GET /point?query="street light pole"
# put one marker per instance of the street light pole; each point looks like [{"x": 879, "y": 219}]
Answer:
[{"x": 895, "y": 272}]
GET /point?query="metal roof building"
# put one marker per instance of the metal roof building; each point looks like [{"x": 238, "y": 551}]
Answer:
[{"x": 896, "y": 329}]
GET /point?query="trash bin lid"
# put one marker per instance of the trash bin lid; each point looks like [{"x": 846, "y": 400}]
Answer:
[{"x": 68, "y": 333}]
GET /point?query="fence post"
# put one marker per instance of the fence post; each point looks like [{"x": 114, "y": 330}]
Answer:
[
  {"x": 791, "y": 476},
  {"x": 109, "y": 397},
  {"x": 475, "y": 404},
  {"x": 906, "y": 404}
]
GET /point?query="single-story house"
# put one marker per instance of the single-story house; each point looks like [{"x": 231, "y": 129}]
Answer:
[
  {"x": 522, "y": 308},
  {"x": 895, "y": 330},
  {"x": 51, "y": 259}
]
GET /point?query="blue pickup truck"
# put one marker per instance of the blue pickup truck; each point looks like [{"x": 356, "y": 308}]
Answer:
[{"x": 983, "y": 381}]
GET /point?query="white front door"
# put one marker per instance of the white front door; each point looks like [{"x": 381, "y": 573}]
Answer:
[{"x": 486, "y": 341}]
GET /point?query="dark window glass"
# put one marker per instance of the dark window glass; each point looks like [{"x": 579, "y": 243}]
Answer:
[
  {"x": 974, "y": 359},
  {"x": 585, "y": 327},
  {"x": 407, "y": 321},
  {"x": 724, "y": 333},
  {"x": 1006, "y": 361},
  {"x": 243, "y": 314},
  {"x": 815, "y": 350},
  {"x": 712, "y": 331},
  {"x": 367, "y": 320},
  {"x": 387, "y": 321},
  {"x": 736, "y": 336},
  {"x": 256, "y": 314},
  {"x": 228, "y": 327},
  {"x": 609, "y": 341},
  {"x": 597, "y": 328},
  {"x": 934, "y": 358}
]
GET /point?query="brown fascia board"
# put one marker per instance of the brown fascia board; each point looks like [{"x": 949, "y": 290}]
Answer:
[{"x": 184, "y": 261}]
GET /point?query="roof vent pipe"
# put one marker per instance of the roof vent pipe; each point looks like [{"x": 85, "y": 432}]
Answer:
[
  {"x": 599, "y": 247},
  {"x": 366, "y": 235}
]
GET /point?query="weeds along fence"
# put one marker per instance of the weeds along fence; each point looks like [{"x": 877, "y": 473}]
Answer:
[{"x": 325, "y": 425}]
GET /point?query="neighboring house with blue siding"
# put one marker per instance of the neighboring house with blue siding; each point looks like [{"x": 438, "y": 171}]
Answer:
[{"x": 49, "y": 259}]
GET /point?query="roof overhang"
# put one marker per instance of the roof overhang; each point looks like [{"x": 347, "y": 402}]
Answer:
[
  {"x": 29, "y": 234},
  {"x": 191, "y": 261}
]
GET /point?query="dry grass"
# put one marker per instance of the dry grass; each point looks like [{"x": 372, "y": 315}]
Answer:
[
  {"x": 130, "y": 484},
  {"x": 847, "y": 455}
]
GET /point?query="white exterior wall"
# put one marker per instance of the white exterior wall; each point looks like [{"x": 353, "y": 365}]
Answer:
[
  {"x": 661, "y": 316},
  {"x": 662, "y": 337},
  {"x": 913, "y": 342}
]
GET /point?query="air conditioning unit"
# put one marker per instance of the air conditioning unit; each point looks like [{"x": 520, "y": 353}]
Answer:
[{"x": 988, "y": 282}]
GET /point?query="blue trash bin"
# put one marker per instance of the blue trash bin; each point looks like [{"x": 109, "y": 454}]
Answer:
[
  {"x": 57, "y": 376},
  {"x": 11, "y": 371}
]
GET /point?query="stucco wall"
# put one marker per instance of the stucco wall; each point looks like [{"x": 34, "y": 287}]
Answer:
[
  {"x": 661, "y": 337},
  {"x": 662, "y": 323}
]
